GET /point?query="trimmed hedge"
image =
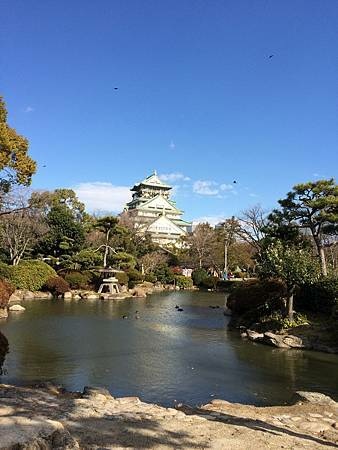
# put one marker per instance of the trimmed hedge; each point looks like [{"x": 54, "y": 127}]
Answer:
[{"x": 30, "y": 275}]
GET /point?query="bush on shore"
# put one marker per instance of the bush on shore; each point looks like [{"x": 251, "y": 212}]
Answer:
[
  {"x": 56, "y": 285},
  {"x": 183, "y": 282},
  {"x": 199, "y": 276},
  {"x": 122, "y": 278},
  {"x": 135, "y": 277},
  {"x": 203, "y": 280},
  {"x": 6, "y": 290},
  {"x": 78, "y": 280},
  {"x": 321, "y": 296},
  {"x": 249, "y": 295},
  {"x": 30, "y": 275},
  {"x": 150, "y": 277}
]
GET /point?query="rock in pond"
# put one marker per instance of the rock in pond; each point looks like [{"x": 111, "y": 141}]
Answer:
[
  {"x": 283, "y": 340},
  {"x": 17, "y": 308},
  {"x": 254, "y": 336}
]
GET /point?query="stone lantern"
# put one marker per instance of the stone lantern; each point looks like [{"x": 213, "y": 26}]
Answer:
[{"x": 109, "y": 286}]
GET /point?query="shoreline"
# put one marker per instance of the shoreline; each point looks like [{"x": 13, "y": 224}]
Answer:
[{"x": 50, "y": 417}]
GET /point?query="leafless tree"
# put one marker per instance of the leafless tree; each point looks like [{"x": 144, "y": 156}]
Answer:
[
  {"x": 251, "y": 226},
  {"x": 22, "y": 226},
  {"x": 201, "y": 243},
  {"x": 152, "y": 260},
  {"x": 20, "y": 231}
]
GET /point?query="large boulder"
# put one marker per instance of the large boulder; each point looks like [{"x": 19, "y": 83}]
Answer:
[
  {"x": 40, "y": 433},
  {"x": 254, "y": 336},
  {"x": 14, "y": 298},
  {"x": 43, "y": 295},
  {"x": 139, "y": 291},
  {"x": 91, "y": 296},
  {"x": 313, "y": 397},
  {"x": 17, "y": 308},
  {"x": 283, "y": 340},
  {"x": 28, "y": 295}
]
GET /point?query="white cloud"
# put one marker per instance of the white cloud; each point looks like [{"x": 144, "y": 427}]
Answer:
[
  {"x": 226, "y": 187},
  {"x": 174, "y": 176},
  {"x": 172, "y": 145},
  {"x": 28, "y": 109},
  {"x": 212, "y": 220},
  {"x": 203, "y": 187},
  {"x": 100, "y": 196}
]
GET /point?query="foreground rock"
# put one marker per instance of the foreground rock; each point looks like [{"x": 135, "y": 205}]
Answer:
[{"x": 51, "y": 418}]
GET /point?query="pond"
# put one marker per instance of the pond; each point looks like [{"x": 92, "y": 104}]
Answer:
[{"x": 163, "y": 356}]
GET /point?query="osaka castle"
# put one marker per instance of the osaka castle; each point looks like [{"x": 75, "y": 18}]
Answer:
[{"x": 155, "y": 213}]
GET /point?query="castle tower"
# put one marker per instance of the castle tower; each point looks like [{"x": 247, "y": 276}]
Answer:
[{"x": 154, "y": 212}]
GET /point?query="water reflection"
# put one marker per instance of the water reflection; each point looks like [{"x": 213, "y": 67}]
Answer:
[{"x": 165, "y": 355}]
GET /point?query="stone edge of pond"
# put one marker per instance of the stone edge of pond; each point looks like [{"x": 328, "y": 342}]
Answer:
[{"x": 47, "y": 416}]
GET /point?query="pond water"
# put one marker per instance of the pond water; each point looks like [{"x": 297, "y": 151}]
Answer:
[{"x": 163, "y": 357}]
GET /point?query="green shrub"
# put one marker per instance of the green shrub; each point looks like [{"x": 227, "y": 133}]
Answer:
[
  {"x": 150, "y": 277},
  {"x": 56, "y": 285},
  {"x": 123, "y": 260},
  {"x": 320, "y": 296},
  {"x": 134, "y": 277},
  {"x": 6, "y": 290},
  {"x": 183, "y": 282},
  {"x": 122, "y": 277},
  {"x": 198, "y": 276},
  {"x": 87, "y": 258},
  {"x": 209, "y": 282},
  {"x": 5, "y": 271},
  {"x": 164, "y": 274},
  {"x": 78, "y": 280},
  {"x": 249, "y": 295},
  {"x": 277, "y": 321},
  {"x": 30, "y": 275}
]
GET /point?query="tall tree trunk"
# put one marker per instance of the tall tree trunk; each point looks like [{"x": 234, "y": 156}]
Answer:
[
  {"x": 323, "y": 261},
  {"x": 290, "y": 305},
  {"x": 106, "y": 249},
  {"x": 321, "y": 254},
  {"x": 105, "y": 255},
  {"x": 225, "y": 259}
]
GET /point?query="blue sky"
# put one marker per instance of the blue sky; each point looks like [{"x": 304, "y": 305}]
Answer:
[{"x": 198, "y": 97}]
